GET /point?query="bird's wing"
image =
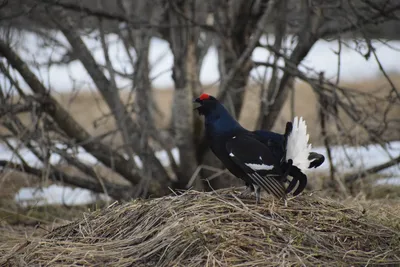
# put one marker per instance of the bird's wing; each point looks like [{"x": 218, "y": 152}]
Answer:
[{"x": 254, "y": 157}]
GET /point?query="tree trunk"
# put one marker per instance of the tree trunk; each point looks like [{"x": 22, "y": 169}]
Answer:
[
  {"x": 182, "y": 40},
  {"x": 143, "y": 100},
  {"x": 237, "y": 86},
  {"x": 110, "y": 96},
  {"x": 103, "y": 153},
  {"x": 307, "y": 38}
]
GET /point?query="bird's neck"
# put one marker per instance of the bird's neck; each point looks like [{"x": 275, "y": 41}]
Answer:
[{"x": 221, "y": 123}]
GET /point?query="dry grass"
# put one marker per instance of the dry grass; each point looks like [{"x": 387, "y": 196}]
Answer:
[
  {"x": 11, "y": 236},
  {"x": 12, "y": 181},
  {"x": 218, "y": 229}
]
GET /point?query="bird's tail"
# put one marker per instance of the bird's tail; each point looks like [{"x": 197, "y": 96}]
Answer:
[{"x": 297, "y": 147}]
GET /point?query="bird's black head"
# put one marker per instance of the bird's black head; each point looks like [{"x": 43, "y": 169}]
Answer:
[
  {"x": 217, "y": 118},
  {"x": 205, "y": 104}
]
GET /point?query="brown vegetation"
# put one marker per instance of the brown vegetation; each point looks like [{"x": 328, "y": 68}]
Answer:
[
  {"x": 234, "y": 29},
  {"x": 193, "y": 229},
  {"x": 219, "y": 229},
  {"x": 89, "y": 110}
]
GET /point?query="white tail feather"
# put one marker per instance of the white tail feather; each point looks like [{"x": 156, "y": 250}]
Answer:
[{"x": 298, "y": 148}]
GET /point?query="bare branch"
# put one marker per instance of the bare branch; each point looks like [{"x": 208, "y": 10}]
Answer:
[
  {"x": 116, "y": 192},
  {"x": 109, "y": 93},
  {"x": 103, "y": 153},
  {"x": 379, "y": 17},
  {"x": 307, "y": 39},
  {"x": 350, "y": 178},
  {"x": 280, "y": 29},
  {"x": 184, "y": 74},
  {"x": 225, "y": 83}
]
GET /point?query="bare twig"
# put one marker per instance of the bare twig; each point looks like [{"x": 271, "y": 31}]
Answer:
[
  {"x": 110, "y": 96},
  {"x": 116, "y": 192},
  {"x": 323, "y": 103},
  {"x": 280, "y": 29},
  {"x": 121, "y": 125},
  {"x": 307, "y": 38},
  {"x": 350, "y": 178},
  {"x": 248, "y": 51},
  {"x": 65, "y": 121}
]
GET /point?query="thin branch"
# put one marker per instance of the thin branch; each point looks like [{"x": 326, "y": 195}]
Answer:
[
  {"x": 323, "y": 103},
  {"x": 378, "y": 18},
  {"x": 122, "y": 126},
  {"x": 307, "y": 39},
  {"x": 350, "y": 178},
  {"x": 224, "y": 88},
  {"x": 115, "y": 191},
  {"x": 280, "y": 29},
  {"x": 192, "y": 21},
  {"x": 102, "y": 152},
  {"x": 110, "y": 95},
  {"x": 105, "y": 14}
]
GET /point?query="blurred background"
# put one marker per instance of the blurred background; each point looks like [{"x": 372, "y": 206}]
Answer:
[{"x": 96, "y": 95}]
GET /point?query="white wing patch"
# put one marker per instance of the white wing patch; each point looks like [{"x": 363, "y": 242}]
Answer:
[
  {"x": 231, "y": 154},
  {"x": 297, "y": 146},
  {"x": 258, "y": 167}
]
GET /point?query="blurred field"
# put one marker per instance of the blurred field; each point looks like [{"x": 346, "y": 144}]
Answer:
[{"x": 90, "y": 110}]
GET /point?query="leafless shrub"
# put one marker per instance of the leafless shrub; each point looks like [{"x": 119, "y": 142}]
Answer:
[{"x": 190, "y": 27}]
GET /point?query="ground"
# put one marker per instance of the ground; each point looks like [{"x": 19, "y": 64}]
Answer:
[{"x": 219, "y": 229}]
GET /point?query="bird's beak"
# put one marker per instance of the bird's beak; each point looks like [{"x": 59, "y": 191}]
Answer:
[{"x": 196, "y": 103}]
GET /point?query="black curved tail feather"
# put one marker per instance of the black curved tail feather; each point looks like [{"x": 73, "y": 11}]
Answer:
[
  {"x": 315, "y": 160},
  {"x": 299, "y": 177}
]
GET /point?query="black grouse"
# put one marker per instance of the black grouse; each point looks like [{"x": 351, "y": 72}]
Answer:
[{"x": 260, "y": 158}]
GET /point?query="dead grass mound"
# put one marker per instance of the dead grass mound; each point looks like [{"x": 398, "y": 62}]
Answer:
[{"x": 217, "y": 229}]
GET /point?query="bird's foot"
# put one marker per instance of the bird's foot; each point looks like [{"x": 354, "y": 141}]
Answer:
[
  {"x": 257, "y": 191},
  {"x": 246, "y": 193}
]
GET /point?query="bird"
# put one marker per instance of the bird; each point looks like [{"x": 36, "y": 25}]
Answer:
[{"x": 261, "y": 159}]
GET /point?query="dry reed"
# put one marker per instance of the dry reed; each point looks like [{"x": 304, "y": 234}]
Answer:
[{"x": 217, "y": 229}]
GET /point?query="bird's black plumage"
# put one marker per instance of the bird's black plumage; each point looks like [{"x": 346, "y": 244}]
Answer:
[
  {"x": 256, "y": 157},
  {"x": 239, "y": 149}
]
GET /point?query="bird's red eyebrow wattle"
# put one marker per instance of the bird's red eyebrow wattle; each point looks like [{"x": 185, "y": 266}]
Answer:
[{"x": 204, "y": 96}]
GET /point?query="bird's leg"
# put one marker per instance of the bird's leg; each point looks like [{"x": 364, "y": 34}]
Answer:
[
  {"x": 247, "y": 191},
  {"x": 286, "y": 173},
  {"x": 257, "y": 190}
]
